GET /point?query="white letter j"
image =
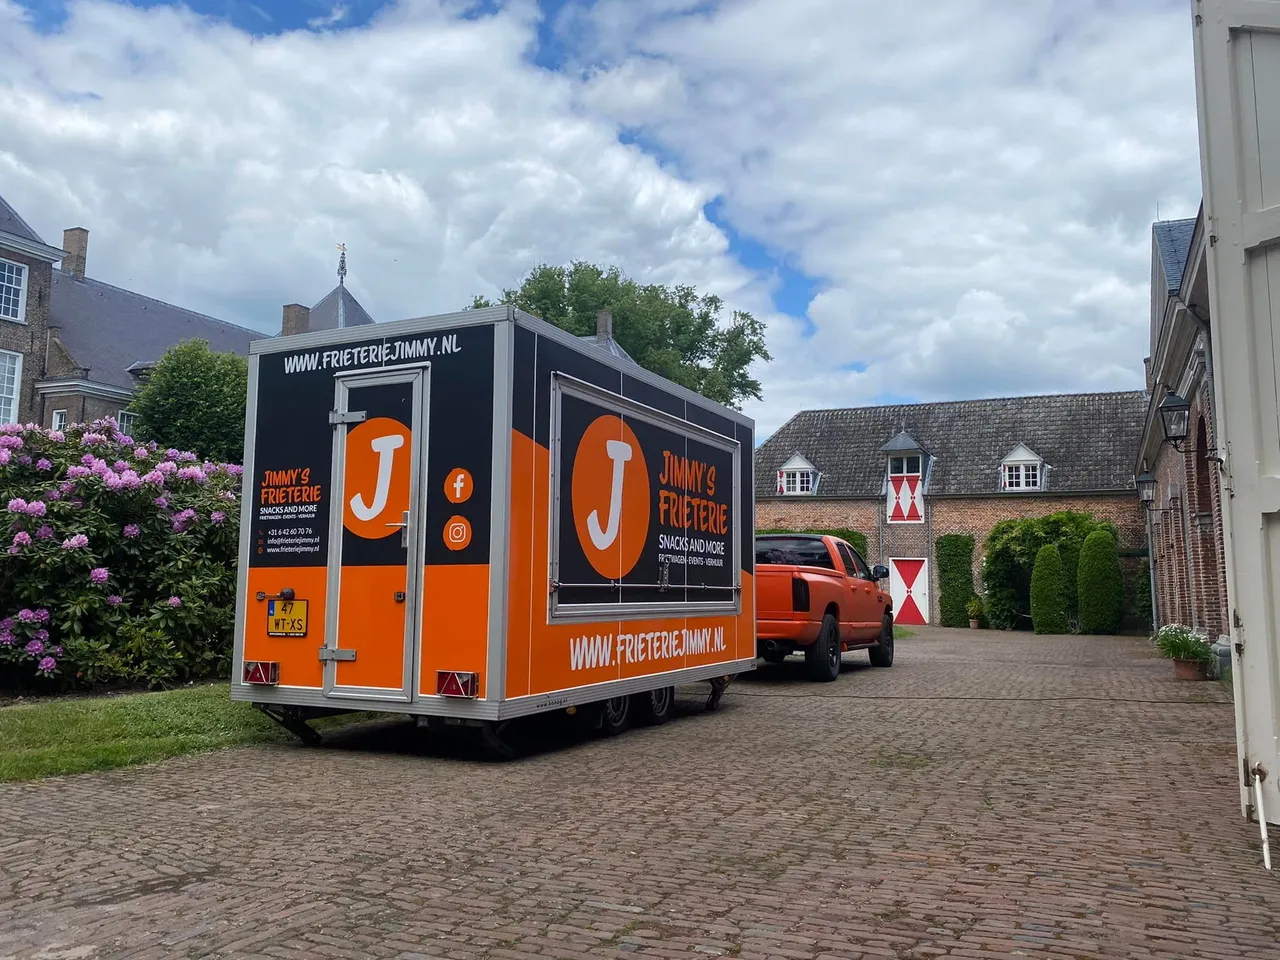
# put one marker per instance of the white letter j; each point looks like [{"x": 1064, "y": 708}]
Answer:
[{"x": 385, "y": 448}]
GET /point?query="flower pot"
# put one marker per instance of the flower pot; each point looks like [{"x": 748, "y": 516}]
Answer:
[
  {"x": 1190, "y": 670},
  {"x": 973, "y": 624}
]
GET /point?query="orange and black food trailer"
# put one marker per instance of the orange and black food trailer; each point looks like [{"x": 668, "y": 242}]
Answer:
[{"x": 479, "y": 516}]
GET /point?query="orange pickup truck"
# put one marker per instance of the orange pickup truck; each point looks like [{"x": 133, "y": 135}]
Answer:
[{"x": 816, "y": 594}]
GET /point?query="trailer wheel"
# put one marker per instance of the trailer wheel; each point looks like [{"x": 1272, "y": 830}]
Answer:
[
  {"x": 615, "y": 716},
  {"x": 823, "y": 656},
  {"x": 656, "y": 706}
]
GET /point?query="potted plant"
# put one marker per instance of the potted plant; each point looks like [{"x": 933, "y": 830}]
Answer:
[
  {"x": 974, "y": 608},
  {"x": 1189, "y": 651}
]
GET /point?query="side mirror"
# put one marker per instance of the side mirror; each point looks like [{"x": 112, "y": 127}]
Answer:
[{"x": 879, "y": 572}]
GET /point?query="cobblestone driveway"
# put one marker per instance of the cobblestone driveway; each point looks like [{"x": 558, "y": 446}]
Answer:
[{"x": 990, "y": 796}]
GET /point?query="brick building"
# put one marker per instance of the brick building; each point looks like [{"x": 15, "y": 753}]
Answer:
[
  {"x": 905, "y": 475},
  {"x": 1184, "y": 519},
  {"x": 74, "y": 349}
]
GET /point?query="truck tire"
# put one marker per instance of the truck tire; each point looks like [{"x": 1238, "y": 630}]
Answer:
[
  {"x": 822, "y": 658},
  {"x": 655, "y": 707},
  {"x": 882, "y": 655}
]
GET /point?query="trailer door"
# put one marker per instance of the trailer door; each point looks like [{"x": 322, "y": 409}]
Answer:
[
  {"x": 1237, "y": 45},
  {"x": 375, "y": 542}
]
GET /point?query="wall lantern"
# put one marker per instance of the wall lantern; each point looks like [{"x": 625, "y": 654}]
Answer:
[
  {"x": 1175, "y": 419},
  {"x": 1146, "y": 484}
]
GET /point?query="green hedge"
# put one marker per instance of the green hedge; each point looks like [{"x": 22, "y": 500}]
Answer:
[
  {"x": 1138, "y": 588},
  {"x": 955, "y": 578},
  {"x": 852, "y": 537},
  {"x": 1048, "y": 606},
  {"x": 1101, "y": 584}
]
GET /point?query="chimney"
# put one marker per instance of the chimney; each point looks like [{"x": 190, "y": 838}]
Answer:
[
  {"x": 297, "y": 319},
  {"x": 76, "y": 242},
  {"x": 604, "y": 325}
]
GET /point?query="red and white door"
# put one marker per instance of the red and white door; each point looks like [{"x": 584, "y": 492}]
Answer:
[{"x": 909, "y": 588}]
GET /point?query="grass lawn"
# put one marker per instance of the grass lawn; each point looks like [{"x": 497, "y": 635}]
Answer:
[
  {"x": 76, "y": 735},
  {"x": 901, "y": 633}
]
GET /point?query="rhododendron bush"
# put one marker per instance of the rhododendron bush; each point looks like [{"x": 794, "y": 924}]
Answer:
[{"x": 117, "y": 564}]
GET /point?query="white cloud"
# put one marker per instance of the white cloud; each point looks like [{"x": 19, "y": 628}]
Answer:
[
  {"x": 331, "y": 19},
  {"x": 970, "y": 183}
]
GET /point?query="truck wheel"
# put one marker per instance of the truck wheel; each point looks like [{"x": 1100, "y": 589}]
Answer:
[
  {"x": 822, "y": 658},
  {"x": 615, "y": 716},
  {"x": 656, "y": 706},
  {"x": 882, "y": 655}
]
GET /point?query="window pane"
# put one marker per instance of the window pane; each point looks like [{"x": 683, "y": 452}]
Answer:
[
  {"x": 59, "y": 420},
  {"x": 806, "y": 481},
  {"x": 913, "y": 464},
  {"x": 8, "y": 387},
  {"x": 11, "y": 279},
  {"x": 895, "y": 466},
  {"x": 794, "y": 551},
  {"x": 1031, "y": 475},
  {"x": 791, "y": 481}
]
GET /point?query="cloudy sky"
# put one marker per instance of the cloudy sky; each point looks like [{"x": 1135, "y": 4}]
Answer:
[{"x": 925, "y": 200}]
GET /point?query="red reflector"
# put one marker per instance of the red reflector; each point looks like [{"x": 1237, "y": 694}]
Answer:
[
  {"x": 261, "y": 672},
  {"x": 451, "y": 683}
]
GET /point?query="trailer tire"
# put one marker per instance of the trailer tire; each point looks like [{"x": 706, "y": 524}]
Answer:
[
  {"x": 882, "y": 655},
  {"x": 822, "y": 657},
  {"x": 655, "y": 707},
  {"x": 615, "y": 716}
]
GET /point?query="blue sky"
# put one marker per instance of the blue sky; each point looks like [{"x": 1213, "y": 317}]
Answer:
[{"x": 923, "y": 201}]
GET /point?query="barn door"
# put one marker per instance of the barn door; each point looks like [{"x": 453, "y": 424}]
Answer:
[
  {"x": 1237, "y": 47},
  {"x": 909, "y": 588}
]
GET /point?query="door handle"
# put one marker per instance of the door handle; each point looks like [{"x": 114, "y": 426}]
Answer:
[{"x": 404, "y": 529}]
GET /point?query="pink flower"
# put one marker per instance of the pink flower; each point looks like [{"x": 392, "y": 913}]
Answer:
[
  {"x": 155, "y": 478},
  {"x": 171, "y": 453},
  {"x": 217, "y": 516},
  {"x": 53, "y": 495},
  {"x": 76, "y": 542},
  {"x": 26, "y": 615},
  {"x": 42, "y": 615},
  {"x": 93, "y": 440},
  {"x": 66, "y": 486},
  {"x": 24, "y": 460},
  {"x": 6, "y": 638},
  {"x": 141, "y": 453},
  {"x": 98, "y": 575},
  {"x": 132, "y": 530},
  {"x": 5, "y": 457},
  {"x": 119, "y": 466},
  {"x": 12, "y": 550},
  {"x": 188, "y": 457},
  {"x": 36, "y": 508},
  {"x": 167, "y": 467},
  {"x": 35, "y": 648},
  {"x": 47, "y": 665},
  {"x": 114, "y": 600},
  {"x": 192, "y": 473},
  {"x": 57, "y": 436},
  {"x": 41, "y": 635},
  {"x": 88, "y": 459},
  {"x": 234, "y": 469},
  {"x": 161, "y": 502},
  {"x": 45, "y": 532},
  {"x": 21, "y": 538},
  {"x": 75, "y": 473},
  {"x": 44, "y": 464},
  {"x": 175, "y": 602},
  {"x": 10, "y": 442},
  {"x": 17, "y": 505}
]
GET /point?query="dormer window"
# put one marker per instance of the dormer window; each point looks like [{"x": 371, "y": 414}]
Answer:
[
  {"x": 904, "y": 466},
  {"x": 1022, "y": 471},
  {"x": 904, "y": 486},
  {"x": 798, "y": 477}
]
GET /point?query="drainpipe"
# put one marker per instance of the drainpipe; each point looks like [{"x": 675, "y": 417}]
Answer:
[{"x": 1151, "y": 568}]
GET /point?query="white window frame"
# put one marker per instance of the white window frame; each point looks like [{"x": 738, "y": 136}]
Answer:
[
  {"x": 22, "y": 292},
  {"x": 53, "y": 422},
  {"x": 799, "y": 483},
  {"x": 1013, "y": 476},
  {"x": 900, "y": 466},
  {"x": 17, "y": 384},
  {"x": 120, "y": 415}
]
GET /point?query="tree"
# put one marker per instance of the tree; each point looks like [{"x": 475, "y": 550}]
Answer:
[
  {"x": 1101, "y": 584},
  {"x": 672, "y": 331},
  {"x": 194, "y": 400},
  {"x": 955, "y": 578},
  {"x": 1048, "y": 608}
]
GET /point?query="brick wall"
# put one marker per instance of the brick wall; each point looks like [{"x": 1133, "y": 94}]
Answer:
[
  {"x": 974, "y": 516},
  {"x": 28, "y": 339}
]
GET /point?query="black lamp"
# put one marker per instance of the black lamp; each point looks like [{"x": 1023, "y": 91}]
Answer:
[
  {"x": 1175, "y": 419},
  {"x": 1146, "y": 484}
]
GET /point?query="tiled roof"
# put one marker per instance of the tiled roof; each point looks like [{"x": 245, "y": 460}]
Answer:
[
  {"x": 13, "y": 224},
  {"x": 1088, "y": 440},
  {"x": 108, "y": 329},
  {"x": 1173, "y": 239},
  {"x": 338, "y": 309}
]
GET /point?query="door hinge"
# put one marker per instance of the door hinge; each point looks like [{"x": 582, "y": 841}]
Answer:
[
  {"x": 330, "y": 653},
  {"x": 337, "y": 417}
]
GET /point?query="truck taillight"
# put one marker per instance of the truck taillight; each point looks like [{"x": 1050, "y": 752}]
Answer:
[
  {"x": 261, "y": 673},
  {"x": 799, "y": 595}
]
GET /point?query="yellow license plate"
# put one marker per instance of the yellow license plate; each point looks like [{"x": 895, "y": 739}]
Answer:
[{"x": 286, "y": 618}]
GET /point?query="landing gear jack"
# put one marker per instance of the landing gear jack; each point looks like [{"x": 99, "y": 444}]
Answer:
[
  {"x": 491, "y": 732},
  {"x": 292, "y": 719},
  {"x": 718, "y": 685}
]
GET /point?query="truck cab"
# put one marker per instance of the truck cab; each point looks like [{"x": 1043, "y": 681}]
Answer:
[{"x": 816, "y": 595}]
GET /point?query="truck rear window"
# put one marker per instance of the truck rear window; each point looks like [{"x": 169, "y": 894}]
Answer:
[{"x": 796, "y": 552}]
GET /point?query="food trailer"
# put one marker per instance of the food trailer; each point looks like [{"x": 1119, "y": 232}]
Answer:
[{"x": 479, "y": 516}]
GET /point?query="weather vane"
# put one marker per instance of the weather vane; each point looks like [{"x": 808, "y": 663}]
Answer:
[{"x": 342, "y": 264}]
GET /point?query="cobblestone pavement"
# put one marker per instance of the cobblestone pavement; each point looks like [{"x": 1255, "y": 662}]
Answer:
[{"x": 989, "y": 796}]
